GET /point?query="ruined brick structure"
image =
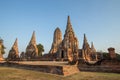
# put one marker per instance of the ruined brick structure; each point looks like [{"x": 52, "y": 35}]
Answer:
[
  {"x": 88, "y": 53},
  {"x": 112, "y": 53},
  {"x": 68, "y": 47},
  {"x": 56, "y": 41},
  {"x": 14, "y": 52},
  {"x": 32, "y": 50},
  {"x": 22, "y": 56},
  {"x": 1, "y": 49}
]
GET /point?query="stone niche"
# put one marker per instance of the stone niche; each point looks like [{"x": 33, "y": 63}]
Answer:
[{"x": 112, "y": 53}]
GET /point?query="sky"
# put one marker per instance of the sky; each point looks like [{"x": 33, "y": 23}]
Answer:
[{"x": 98, "y": 19}]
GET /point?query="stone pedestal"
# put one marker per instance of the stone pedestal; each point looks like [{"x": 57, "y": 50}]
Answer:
[{"x": 58, "y": 68}]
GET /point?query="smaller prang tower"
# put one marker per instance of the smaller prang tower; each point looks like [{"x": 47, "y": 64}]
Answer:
[
  {"x": 88, "y": 53},
  {"x": 57, "y": 39},
  {"x": 1, "y": 50},
  {"x": 32, "y": 50},
  {"x": 14, "y": 52}
]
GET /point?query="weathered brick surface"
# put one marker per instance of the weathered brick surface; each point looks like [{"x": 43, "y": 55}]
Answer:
[{"x": 53, "y": 69}]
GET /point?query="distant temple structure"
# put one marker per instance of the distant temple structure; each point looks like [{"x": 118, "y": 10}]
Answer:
[
  {"x": 1, "y": 49},
  {"x": 61, "y": 49},
  {"x": 67, "y": 49},
  {"x": 14, "y": 52},
  {"x": 32, "y": 50},
  {"x": 88, "y": 53},
  {"x": 56, "y": 41},
  {"x": 112, "y": 54}
]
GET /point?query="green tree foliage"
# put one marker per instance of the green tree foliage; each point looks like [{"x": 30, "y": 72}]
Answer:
[
  {"x": 105, "y": 55},
  {"x": 40, "y": 49},
  {"x": 118, "y": 56}
]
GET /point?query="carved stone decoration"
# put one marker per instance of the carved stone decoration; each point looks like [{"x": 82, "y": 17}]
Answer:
[
  {"x": 32, "y": 50},
  {"x": 14, "y": 52},
  {"x": 56, "y": 41}
]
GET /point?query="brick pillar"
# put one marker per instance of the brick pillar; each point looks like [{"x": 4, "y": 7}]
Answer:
[{"x": 112, "y": 53}]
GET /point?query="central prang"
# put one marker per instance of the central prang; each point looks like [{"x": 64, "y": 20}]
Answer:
[{"x": 68, "y": 48}]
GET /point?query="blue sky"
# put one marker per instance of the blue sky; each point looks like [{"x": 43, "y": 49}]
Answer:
[{"x": 98, "y": 19}]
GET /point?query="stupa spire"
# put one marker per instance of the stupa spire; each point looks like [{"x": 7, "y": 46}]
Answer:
[
  {"x": 68, "y": 20},
  {"x": 32, "y": 50},
  {"x": 15, "y": 43},
  {"x": 33, "y": 38},
  {"x": 92, "y": 47},
  {"x": 57, "y": 39},
  {"x": 85, "y": 43},
  {"x": 69, "y": 28},
  {"x": 14, "y": 52},
  {"x": 15, "y": 46},
  {"x": 85, "y": 38}
]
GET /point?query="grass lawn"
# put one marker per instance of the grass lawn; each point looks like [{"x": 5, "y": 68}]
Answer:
[{"x": 7, "y": 73}]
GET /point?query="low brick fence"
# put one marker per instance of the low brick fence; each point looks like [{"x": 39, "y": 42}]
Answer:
[
  {"x": 110, "y": 69},
  {"x": 64, "y": 69}
]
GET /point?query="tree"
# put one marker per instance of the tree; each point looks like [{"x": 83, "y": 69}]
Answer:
[
  {"x": 118, "y": 56},
  {"x": 40, "y": 49},
  {"x": 105, "y": 55}
]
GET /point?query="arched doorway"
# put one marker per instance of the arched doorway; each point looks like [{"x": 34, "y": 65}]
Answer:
[{"x": 62, "y": 54}]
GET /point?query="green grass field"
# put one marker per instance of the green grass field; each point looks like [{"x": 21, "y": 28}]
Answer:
[{"x": 7, "y": 73}]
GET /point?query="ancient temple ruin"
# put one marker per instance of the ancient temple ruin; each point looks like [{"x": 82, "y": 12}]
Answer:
[
  {"x": 14, "y": 52},
  {"x": 112, "y": 54},
  {"x": 88, "y": 53},
  {"x": 32, "y": 50},
  {"x": 1, "y": 49},
  {"x": 66, "y": 49},
  {"x": 57, "y": 39},
  {"x": 69, "y": 46}
]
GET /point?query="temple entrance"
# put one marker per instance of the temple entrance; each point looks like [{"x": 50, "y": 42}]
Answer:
[{"x": 62, "y": 54}]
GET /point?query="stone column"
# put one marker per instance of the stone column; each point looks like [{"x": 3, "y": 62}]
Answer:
[{"x": 112, "y": 53}]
